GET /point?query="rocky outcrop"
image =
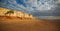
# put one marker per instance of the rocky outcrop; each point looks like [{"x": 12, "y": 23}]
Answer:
[{"x": 8, "y": 12}]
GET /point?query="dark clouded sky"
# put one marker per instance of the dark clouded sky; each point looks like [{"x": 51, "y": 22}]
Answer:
[{"x": 34, "y": 7}]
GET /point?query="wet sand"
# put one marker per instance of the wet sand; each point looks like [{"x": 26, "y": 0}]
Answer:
[{"x": 28, "y": 24}]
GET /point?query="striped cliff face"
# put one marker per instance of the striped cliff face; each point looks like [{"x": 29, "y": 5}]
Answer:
[
  {"x": 8, "y": 12},
  {"x": 3, "y": 10},
  {"x": 21, "y": 14}
]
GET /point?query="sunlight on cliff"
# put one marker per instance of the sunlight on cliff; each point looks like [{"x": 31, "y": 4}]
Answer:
[{"x": 8, "y": 12}]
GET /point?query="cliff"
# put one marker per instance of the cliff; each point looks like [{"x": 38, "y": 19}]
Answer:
[
  {"x": 8, "y": 12},
  {"x": 10, "y": 21}
]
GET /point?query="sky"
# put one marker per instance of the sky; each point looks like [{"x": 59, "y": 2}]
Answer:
[{"x": 34, "y": 7}]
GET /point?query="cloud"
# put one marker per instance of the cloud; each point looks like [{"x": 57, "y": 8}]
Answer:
[
  {"x": 12, "y": 4},
  {"x": 31, "y": 5},
  {"x": 58, "y": 1},
  {"x": 40, "y": 5},
  {"x": 45, "y": 9}
]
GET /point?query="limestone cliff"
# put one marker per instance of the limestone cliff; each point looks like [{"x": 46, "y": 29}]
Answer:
[{"x": 8, "y": 12}]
